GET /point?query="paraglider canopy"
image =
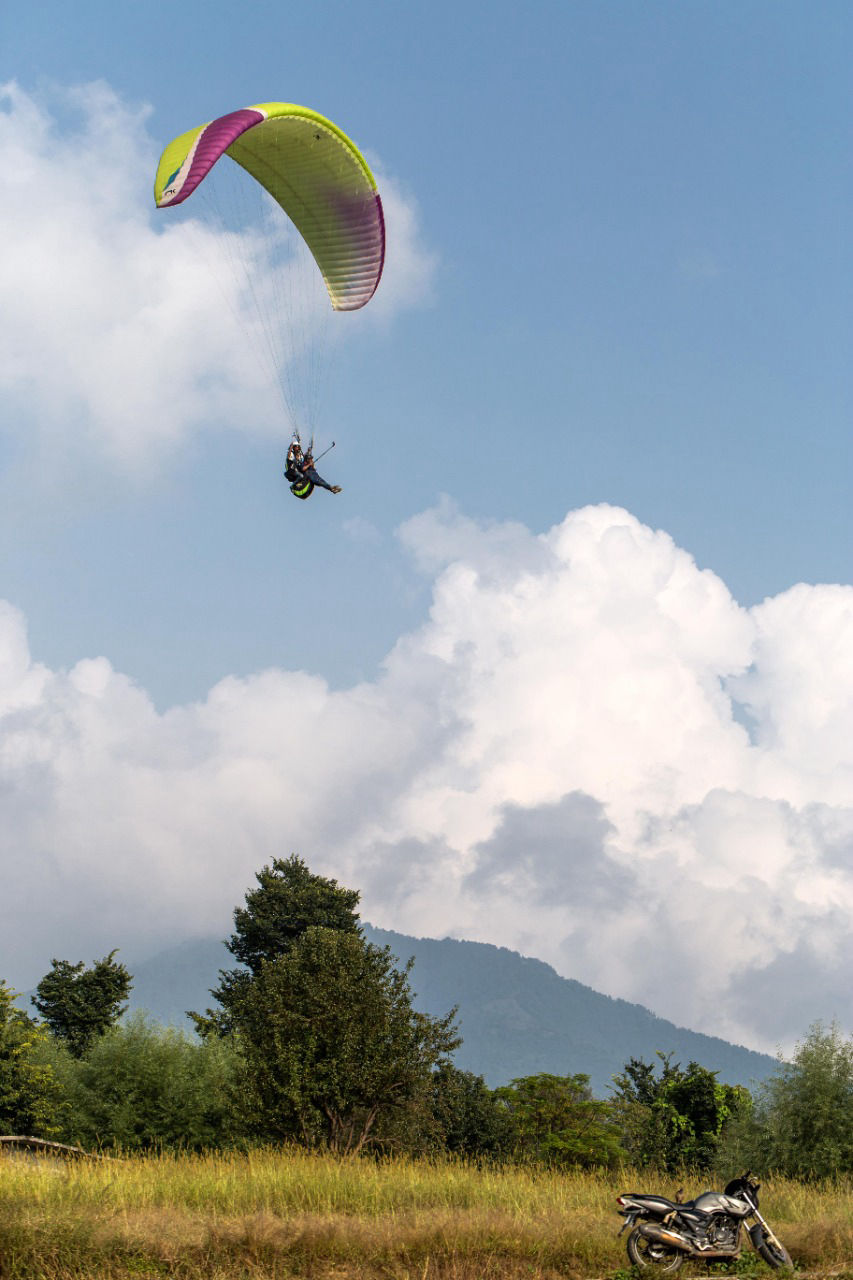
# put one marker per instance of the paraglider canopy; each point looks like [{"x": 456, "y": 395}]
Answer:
[{"x": 311, "y": 169}]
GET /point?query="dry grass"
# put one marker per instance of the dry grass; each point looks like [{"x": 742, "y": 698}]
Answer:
[{"x": 287, "y": 1214}]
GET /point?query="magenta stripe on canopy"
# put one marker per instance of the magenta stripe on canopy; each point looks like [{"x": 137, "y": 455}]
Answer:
[{"x": 215, "y": 139}]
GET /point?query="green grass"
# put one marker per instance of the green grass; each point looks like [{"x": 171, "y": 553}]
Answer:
[{"x": 289, "y": 1214}]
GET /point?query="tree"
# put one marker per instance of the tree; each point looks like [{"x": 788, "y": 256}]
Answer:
[
  {"x": 142, "y": 1086},
  {"x": 556, "y": 1120},
  {"x": 331, "y": 1041},
  {"x": 805, "y": 1111},
  {"x": 469, "y": 1118},
  {"x": 80, "y": 1004},
  {"x": 454, "y": 1112},
  {"x": 30, "y": 1098},
  {"x": 289, "y": 900},
  {"x": 674, "y": 1119}
]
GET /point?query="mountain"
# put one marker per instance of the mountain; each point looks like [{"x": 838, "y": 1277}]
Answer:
[{"x": 517, "y": 1016}]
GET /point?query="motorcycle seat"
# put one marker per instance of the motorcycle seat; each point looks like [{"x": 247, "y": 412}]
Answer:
[
  {"x": 661, "y": 1205},
  {"x": 658, "y": 1204}
]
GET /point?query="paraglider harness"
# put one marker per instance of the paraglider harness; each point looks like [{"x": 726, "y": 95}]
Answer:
[{"x": 301, "y": 486}]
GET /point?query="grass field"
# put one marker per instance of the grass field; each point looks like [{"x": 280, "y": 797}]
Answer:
[{"x": 275, "y": 1214}]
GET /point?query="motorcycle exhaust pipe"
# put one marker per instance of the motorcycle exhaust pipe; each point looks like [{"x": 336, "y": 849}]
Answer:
[{"x": 665, "y": 1235}]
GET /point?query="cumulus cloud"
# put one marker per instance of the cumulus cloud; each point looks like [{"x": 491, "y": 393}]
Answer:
[
  {"x": 116, "y": 326},
  {"x": 588, "y": 751}
]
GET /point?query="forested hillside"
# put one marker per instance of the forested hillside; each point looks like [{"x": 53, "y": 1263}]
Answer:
[{"x": 517, "y": 1016}]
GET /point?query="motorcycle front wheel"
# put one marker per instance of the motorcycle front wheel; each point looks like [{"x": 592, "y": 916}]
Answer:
[
  {"x": 645, "y": 1253},
  {"x": 775, "y": 1255}
]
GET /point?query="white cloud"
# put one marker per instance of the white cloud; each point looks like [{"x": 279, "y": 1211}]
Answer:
[
  {"x": 116, "y": 335},
  {"x": 361, "y": 531},
  {"x": 555, "y": 761}
]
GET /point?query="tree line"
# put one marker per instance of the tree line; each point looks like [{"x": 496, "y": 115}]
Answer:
[{"x": 313, "y": 1039}]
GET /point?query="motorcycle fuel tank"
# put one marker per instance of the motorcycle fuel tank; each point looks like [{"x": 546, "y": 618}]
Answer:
[{"x": 716, "y": 1202}]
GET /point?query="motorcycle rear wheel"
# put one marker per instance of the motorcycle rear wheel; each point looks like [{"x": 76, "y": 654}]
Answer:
[{"x": 645, "y": 1253}]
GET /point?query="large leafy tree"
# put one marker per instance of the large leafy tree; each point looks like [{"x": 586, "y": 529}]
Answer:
[
  {"x": 79, "y": 1003},
  {"x": 30, "y": 1101},
  {"x": 289, "y": 900},
  {"x": 556, "y": 1120},
  {"x": 805, "y": 1110},
  {"x": 672, "y": 1117},
  {"x": 331, "y": 1041}
]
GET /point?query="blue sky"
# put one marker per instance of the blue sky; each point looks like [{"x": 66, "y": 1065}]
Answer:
[{"x": 618, "y": 273}]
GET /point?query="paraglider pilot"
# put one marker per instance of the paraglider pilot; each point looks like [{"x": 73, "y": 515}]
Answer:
[{"x": 301, "y": 473}]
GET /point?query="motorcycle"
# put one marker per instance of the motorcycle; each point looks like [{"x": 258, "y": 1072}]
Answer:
[{"x": 665, "y": 1232}]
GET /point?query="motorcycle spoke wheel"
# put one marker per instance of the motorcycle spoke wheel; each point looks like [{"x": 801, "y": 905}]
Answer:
[{"x": 646, "y": 1254}]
